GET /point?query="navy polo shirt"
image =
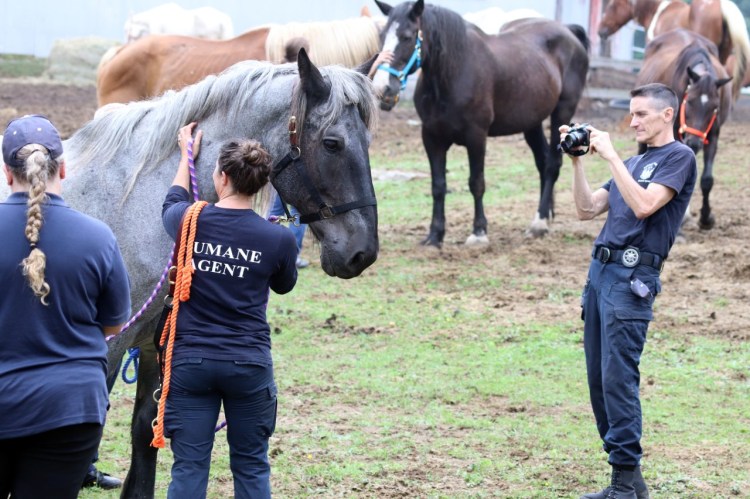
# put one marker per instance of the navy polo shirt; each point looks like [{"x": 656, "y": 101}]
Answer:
[
  {"x": 237, "y": 255},
  {"x": 672, "y": 165},
  {"x": 53, "y": 358}
]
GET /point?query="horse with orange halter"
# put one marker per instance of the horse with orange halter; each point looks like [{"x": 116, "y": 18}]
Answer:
[
  {"x": 154, "y": 64},
  {"x": 719, "y": 21},
  {"x": 689, "y": 64}
]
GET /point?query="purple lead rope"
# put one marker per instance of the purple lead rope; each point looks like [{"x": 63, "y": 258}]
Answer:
[
  {"x": 155, "y": 292},
  {"x": 134, "y": 351},
  {"x": 191, "y": 168}
]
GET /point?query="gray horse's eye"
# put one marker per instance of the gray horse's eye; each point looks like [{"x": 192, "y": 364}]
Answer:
[{"x": 331, "y": 145}]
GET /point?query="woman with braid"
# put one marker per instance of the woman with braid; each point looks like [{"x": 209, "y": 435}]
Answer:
[
  {"x": 221, "y": 349},
  {"x": 64, "y": 288}
]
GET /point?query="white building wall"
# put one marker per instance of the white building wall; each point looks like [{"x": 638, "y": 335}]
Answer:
[{"x": 32, "y": 27}]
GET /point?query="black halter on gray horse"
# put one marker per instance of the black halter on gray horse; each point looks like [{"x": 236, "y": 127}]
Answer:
[
  {"x": 473, "y": 85},
  {"x": 121, "y": 165}
]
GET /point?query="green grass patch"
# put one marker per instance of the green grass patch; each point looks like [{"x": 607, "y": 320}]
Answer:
[
  {"x": 461, "y": 373},
  {"x": 21, "y": 66}
]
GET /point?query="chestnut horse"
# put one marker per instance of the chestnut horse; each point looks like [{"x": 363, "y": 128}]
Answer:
[
  {"x": 154, "y": 64},
  {"x": 475, "y": 85},
  {"x": 689, "y": 64},
  {"x": 722, "y": 22}
]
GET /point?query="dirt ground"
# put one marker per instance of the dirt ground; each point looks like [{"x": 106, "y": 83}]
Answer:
[{"x": 706, "y": 280}]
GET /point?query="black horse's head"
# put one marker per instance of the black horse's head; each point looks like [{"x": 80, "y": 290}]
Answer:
[
  {"x": 327, "y": 173},
  {"x": 401, "y": 35},
  {"x": 700, "y": 108}
]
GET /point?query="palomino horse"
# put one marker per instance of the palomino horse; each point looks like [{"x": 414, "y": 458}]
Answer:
[
  {"x": 122, "y": 163},
  {"x": 151, "y": 65},
  {"x": 722, "y": 22},
  {"x": 689, "y": 64},
  {"x": 474, "y": 85}
]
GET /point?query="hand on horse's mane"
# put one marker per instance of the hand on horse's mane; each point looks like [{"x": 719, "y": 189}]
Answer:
[{"x": 185, "y": 135}]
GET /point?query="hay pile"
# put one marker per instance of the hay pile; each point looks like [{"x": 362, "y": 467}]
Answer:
[{"x": 74, "y": 60}]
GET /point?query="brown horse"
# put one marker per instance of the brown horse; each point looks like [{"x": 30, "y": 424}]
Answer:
[
  {"x": 154, "y": 64},
  {"x": 689, "y": 64},
  {"x": 719, "y": 21}
]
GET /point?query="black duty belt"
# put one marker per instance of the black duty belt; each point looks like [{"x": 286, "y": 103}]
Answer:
[{"x": 629, "y": 257}]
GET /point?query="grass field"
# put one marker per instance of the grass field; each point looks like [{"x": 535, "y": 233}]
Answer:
[
  {"x": 461, "y": 374},
  {"x": 21, "y": 66}
]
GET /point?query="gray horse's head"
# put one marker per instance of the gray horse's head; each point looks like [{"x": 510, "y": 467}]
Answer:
[
  {"x": 122, "y": 163},
  {"x": 330, "y": 183}
]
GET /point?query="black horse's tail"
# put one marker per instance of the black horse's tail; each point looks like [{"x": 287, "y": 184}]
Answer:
[{"x": 580, "y": 33}]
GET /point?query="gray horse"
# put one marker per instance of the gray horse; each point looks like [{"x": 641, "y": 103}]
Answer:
[{"x": 121, "y": 164}]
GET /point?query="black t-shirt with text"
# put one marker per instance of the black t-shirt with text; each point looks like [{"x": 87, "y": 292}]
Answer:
[{"x": 237, "y": 255}]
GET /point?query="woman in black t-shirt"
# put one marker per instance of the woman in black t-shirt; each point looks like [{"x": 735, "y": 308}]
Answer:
[{"x": 222, "y": 347}]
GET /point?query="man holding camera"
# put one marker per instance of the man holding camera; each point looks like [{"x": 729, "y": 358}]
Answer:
[{"x": 646, "y": 199}]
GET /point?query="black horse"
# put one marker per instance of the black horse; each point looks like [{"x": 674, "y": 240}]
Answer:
[{"x": 473, "y": 85}]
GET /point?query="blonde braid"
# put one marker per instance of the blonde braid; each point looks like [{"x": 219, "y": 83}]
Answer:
[{"x": 38, "y": 166}]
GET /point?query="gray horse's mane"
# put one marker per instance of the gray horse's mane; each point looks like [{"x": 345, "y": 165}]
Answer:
[{"x": 230, "y": 93}]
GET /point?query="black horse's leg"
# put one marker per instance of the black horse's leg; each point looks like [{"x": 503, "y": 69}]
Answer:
[
  {"x": 476, "y": 146},
  {"x": 707, "y": 220},
  {"x": 538, "y": 143},
  {"x": 141, "y": 477},
  {"x": 437, "y": 150}
]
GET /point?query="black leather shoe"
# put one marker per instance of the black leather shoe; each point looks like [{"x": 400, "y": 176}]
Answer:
[{"x": 101, "y": 480}]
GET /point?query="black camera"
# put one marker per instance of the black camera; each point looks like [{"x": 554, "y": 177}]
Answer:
[{"x": 577, "y": 136}]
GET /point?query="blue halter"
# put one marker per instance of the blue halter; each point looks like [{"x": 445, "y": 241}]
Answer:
[{"x": 415, "y": 62}]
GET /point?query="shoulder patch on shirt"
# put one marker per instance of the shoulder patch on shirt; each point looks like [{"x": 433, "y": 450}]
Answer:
[{"x": 648, "y": 170}]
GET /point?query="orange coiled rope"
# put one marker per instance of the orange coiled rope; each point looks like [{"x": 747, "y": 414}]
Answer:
[{"x": 183, "y": 280}]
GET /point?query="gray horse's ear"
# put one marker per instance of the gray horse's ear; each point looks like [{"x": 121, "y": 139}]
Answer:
[
  {"x": 384, "y": 7},
  {"x": 693, "y": 75},
  {"x": 723, "y": 81},
  {"x": 366, "y": 66},
  {"x": 313, "y": 84},
  {"x": 416, "y": 10}
]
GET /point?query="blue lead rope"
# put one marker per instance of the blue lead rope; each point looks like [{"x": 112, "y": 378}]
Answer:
[
  {"x": 415, "y": 61},
  {"x": 132, "y": 359}
]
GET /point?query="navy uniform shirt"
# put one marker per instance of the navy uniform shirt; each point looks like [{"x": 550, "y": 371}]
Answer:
[
  {"x": 53, "y": 358},
  {"x": 237, "y": 256},
  {"x": 672, "y": 165}
]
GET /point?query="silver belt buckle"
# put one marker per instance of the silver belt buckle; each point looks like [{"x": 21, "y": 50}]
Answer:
[
  {"x": 604, "y": 254},
  {"x": 631, "y": 257}
]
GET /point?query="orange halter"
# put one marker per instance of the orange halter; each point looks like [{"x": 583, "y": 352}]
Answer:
[{"x": 684, "y": 129}]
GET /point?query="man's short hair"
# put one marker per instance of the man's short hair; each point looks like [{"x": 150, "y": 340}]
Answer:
[{"x": 663, "y": 95}]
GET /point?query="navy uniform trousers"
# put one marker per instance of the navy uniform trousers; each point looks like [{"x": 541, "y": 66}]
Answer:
[
  {"x": 197, "y": 391},
  {"x": 614, "y": 334}
]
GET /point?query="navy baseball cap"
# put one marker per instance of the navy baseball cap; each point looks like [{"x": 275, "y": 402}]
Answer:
[{"x": 30, "y": 129}]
